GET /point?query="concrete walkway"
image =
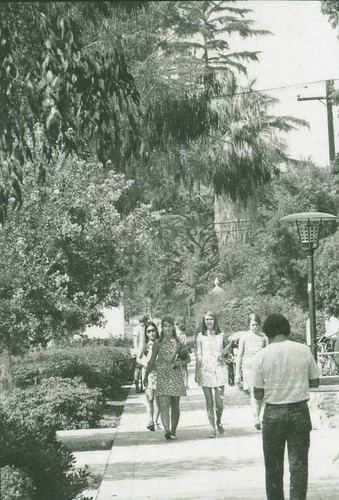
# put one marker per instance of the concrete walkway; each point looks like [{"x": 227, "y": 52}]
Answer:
[{"x": 143, "y": 465}]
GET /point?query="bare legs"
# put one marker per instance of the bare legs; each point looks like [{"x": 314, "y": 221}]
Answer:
[
  {"x": 170, "y": 404},
  {"x": 256, "y": 407},
  {"x": 214, "y": 417},
  {"x": 152, "y": 408},
  {"x": 138, "y": 378},
  {"x": 175, "y": 414},
  {"x": 185, "y": 374}
]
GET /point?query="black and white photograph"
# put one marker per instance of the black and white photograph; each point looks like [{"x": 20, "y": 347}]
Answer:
[{"x": 169, "y": 272}]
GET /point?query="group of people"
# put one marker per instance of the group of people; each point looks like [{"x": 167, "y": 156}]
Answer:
[
  {"x": 161, "y": 368},
  {"x": 162, "y": 357},
  {"x": 273, "y": 369}
]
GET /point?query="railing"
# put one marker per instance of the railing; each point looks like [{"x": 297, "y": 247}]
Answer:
[{"x": 328, "y": 362}]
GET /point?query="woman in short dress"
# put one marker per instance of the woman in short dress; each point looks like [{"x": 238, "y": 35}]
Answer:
[
  {"x": 211, "y": 370},
  {"x": 170, "y": 382},
  {"x": 143, "y": 357},
  {"x": 250, "y": 343}
]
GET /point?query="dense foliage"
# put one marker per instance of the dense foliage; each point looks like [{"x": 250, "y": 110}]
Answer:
[
  {"x": 125, "y": 132},
  {"x": 104, "y": 367},
  {"x": 66, "y": 252},
  {"x": 28, "y": 444},
  {"x": 15, "y": 483},
  {"x": 60, "y": 403}
]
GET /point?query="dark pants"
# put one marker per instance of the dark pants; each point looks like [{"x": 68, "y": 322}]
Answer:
[
  {"x": 138, "y": 378},
  {"x": 230, "y": 368},
  {"x": 291, "y": 424}
]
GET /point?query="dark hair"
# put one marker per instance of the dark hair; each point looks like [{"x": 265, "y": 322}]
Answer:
[
  {"x": 276, "y": 324},
  {"x": 146, "y": 338},
  {"x": 255, "y": 317},
  {"x": 168, "y": 319},
  {"x": 153, "y": 325},
  {"x": 143, "y": 319},
  {"x": 216, "y": 323}
]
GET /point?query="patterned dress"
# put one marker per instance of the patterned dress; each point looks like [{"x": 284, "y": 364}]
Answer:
[
  {"x": 170, "y": 381},
  {"x": 213, "y": 371},
  {"x": 250, "y": 343}
]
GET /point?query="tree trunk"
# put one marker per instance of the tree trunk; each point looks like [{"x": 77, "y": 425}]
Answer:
[
  {"x": 6, "y": 375},
  {"x": 232, "y": 220}
]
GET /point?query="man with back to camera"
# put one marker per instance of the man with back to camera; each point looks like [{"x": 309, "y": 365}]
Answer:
[{"x": 282, "y": 375}]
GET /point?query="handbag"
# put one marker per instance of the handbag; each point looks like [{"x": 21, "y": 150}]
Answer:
[{"x": 183, "y": 352}]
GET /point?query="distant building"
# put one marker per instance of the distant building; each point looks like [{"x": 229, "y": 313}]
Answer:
[{"x": 114, "y": 325}]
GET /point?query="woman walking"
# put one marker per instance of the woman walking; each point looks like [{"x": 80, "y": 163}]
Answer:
[
  {"x": 143, "y": 357},
  {"x": 250, "y": 343},
  {"x": 170, "y": 383},
  {"x": 211, "y": 370}
]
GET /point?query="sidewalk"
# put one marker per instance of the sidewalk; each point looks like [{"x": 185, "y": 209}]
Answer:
[{"x": 142, "y": 465}]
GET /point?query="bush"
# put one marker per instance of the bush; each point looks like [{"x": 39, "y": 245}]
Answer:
[
  {"x": 30, "y": 444},
  {"x": 58, "y": 403},
  {"x": 107, "y": 368},
  {"x": 15, "y": 483},
  {"x": 95, "y": 342}
]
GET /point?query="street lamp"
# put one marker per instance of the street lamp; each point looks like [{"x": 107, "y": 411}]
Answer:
[{"x": 309, "y": 225}]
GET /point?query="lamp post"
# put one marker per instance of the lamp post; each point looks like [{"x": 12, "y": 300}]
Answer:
[{"x": 308, "y": 226}]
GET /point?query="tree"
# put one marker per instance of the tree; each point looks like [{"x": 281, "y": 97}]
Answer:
[
  {"x": 241, "y": 156},
  {"x": 327, "y": 274},
  {"x": 83, "y": 99},
  {"x": 236, "y": 148},
  {"x": 66, "y": 253},
  {"x": 331, "y": 9},
  {"x": 272, "y": 262},
  {"x": 202, "y": 36}
]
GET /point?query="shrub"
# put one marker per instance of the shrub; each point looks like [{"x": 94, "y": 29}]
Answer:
[
  {"x": 58, "y": 403},
  {"x": 30, "y": 444},
  {"x": 111, "y": 342},
  {"x": 107, "y": 368},
  {"x": 15, "y": 483}
]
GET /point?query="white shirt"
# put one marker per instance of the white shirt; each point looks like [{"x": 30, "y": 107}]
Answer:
[
  {"x": 138, "y": 336},
  {"x": 283, "y": 370},
  {"x": 331, "y": 326}
]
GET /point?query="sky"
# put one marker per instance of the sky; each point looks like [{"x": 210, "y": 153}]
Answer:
[{"x": 303, "y": 48}]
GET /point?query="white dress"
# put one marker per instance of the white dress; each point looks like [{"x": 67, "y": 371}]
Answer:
[
  {"x": 213, "y": 371},
  {"x": 250, "y": 343}
]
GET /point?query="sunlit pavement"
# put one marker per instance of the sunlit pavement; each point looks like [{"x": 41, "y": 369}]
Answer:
[{"x": 143, "y": 465}]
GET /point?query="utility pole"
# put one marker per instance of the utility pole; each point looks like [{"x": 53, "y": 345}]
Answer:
[{"x": 328, "y": 103}]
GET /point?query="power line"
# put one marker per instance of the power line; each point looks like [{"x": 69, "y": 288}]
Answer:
[{"x": 244, "y": 92}]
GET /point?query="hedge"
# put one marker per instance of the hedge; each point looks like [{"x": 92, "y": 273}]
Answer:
[
  {"x": 46, "y": 468},
  {"x": 57, "y": 403},
  {"x": 104, "y": 367}
]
